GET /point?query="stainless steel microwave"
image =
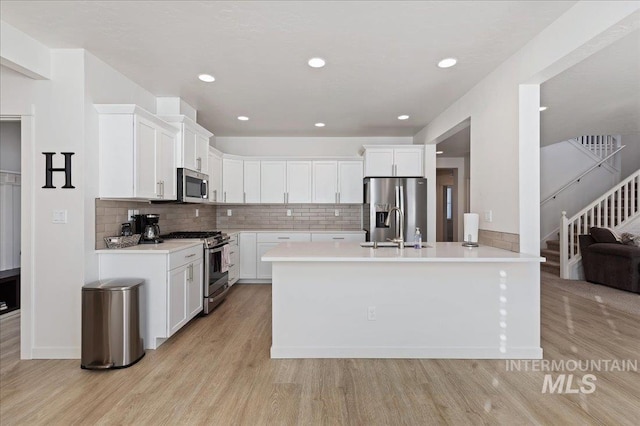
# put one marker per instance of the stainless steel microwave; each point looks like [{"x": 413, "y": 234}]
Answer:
[{"x": 193, "y": 187}]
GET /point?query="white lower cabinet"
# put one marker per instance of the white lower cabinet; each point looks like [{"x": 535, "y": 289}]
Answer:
[
  {"x": 172, "y": 291},
  {"x": 234, "y": 264},
  {"x": 248, "y": 258},
  {"x": 354, "y": 237},
  {"x": 263, "y": 268}
]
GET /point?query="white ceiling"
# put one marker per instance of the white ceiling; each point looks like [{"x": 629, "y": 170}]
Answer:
[
  {"x": 598, "y": 96},
  {"x": 381, "y": 56}
]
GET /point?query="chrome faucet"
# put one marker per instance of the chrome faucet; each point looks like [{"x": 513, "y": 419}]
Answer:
[{"x": 400, "y": 234}]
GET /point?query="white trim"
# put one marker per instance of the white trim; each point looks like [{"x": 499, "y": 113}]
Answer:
[
  {"x": 406, "y": 352},
  {"x": 54, "y": 352}
]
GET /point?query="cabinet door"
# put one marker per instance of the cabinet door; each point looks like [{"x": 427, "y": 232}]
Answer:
[
  {"x": 251, "y": 181},
  {"x": 378, "y": 162},
  {"x": 215, "y": 178},
  {"x": 408, "y": 162},
  {"x": 247, "y": 246},
  {"x": 232, "y": 181},
  {"x": 195, "y": 288},
  {"x": 189, "y": 142},
  {"x": 298, "y": 182},
  {"x": 350, "y": 185},
  {"x": 177, "y": 299},
  {"x": 147, "y": 183},
  {"x": 166, "y": 164},
  {"x": 273, "y": 181},
  {"x": 356, "y": 237},
  {"x": 325, "y": 182},
  {"x": 264, "y": 268},
  {"x": 202, "y": 153}
]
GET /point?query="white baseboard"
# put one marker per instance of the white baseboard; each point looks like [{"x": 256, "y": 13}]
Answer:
[
  {"x": 53, "y": 352},
  {"x": 407, "y": 352}
]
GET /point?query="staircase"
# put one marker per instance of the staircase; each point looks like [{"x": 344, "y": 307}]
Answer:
[
  {"x": 614, "y": 209},
  {"x": 552, "y": 254},
  {"x": 602, "y": 146}
]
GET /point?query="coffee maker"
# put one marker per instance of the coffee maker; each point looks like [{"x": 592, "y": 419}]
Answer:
[{"x": 147, "y": 225}]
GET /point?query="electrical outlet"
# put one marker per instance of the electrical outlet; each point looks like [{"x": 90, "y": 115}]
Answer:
[
  {"x": 289, "y": 212},
  {"x": 371, "y": 313},
  {"x": 130, "y": 213},
  {"x": 136, "y": 211},
  {"x": 337, "y": 212},
  {"x": 229, "y": 212},
  {"x": 488, "y": 216},
  {"x": 197, "y": 212}
]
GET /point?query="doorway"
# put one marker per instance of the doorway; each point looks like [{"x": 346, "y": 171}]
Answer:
[
  {"x": 447, "y": 206},
  {"x": 10, "y": 216}
]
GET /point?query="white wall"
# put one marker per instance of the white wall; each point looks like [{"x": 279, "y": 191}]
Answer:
[
  {"x": 10, "y": 146},
  {"x": 498, "y": 154},
  {"x": 630, "y": 154},
  {"x": 303, "y": 146},
  {"x": 457, "y": 163}
]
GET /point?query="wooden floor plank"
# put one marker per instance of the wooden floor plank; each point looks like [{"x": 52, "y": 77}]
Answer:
[{"x": 217, "y": 370}]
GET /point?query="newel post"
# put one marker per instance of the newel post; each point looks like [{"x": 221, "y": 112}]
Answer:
[{"x": 564, "y": 246}]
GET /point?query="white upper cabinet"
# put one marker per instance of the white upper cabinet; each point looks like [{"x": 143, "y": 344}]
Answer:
[
  {"x": 350, "y": 175},
  {"x": 215, "y": 175},
  {"x": 325, "y": 182},
  {"x": 232, "y": 180},
  {"x": 192, "y": 151},
  {"x": 298, "y": 182},
  {"x": 337, "y": 182},
  {"x": 251, "y": 181},
  {"x": 137, "y": 154},
  {"x": 273, "y": 181},
  {"x": 394, "y": 161}
]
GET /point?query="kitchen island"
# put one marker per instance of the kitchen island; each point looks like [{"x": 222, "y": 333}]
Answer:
[{"x": 341, "y": 300}]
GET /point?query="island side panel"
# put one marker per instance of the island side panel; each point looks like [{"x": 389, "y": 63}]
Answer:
[{"x": 422, "y": 310}]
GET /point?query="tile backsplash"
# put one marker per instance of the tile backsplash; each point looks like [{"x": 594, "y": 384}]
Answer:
[
  {"x": 173, "y": 217},
  {"x": 303, "y": 216},
  {"x": 502, "y": 240}
]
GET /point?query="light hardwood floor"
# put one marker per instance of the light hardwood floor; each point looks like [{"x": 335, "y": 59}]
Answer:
[{"x": 217, "y": 371}]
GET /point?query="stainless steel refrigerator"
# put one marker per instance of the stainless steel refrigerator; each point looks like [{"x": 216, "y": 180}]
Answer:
[{"x": 382, "y": 194}]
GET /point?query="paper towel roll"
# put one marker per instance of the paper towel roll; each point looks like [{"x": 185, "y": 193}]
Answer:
[{"x": 471, "y": 221}]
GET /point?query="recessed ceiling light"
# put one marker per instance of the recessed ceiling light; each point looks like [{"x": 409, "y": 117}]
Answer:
[
  {"x": 319, "y": 124},
  {"x": 447, "y": 62},
  {"x": 542, "y": 108},
  {"x": 439, "y": 152},
  {"x": 242, "y": 118},
  {"x": 403, "y": 117},
  {"x": 207, "y": 78},
  {"x": 316, "y": 62}
]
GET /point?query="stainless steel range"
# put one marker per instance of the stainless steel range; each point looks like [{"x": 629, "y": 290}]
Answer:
[{"x": 216, "y": 282}]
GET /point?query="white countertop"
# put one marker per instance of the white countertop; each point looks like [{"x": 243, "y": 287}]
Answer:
[
  {"x": 294, "y": 231},
  {"x": 161, "y": 248},
  {"x": 352, "y": 252}
]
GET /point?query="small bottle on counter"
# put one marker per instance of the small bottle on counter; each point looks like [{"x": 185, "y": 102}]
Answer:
[{"x": 417, "y": 239}]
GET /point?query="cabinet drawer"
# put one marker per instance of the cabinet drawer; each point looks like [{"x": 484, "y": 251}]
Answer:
[
  {"x": 233, "y": 239},
  {"x": 344, "y": 237},
  {"x": 277, "y": 237},
  {"x": 183, "y": 257}
]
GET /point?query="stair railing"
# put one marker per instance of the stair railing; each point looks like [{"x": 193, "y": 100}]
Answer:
[
  {"x": 611, "y": 210},
  {"x": 601, "y": 145},
  {"x": 577, "y": 179}
]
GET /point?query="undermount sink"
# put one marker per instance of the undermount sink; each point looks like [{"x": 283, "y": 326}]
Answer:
[{"x": 388, "y": 244}]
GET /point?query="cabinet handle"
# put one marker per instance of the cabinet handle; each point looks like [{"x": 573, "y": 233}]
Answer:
[
  {"x": 162, "y": 182},
  {"x": 338, "y": 238},
  {"x": 338, "y": 198},
  {"x": 191, "y": 255},
  {"x": 215, "y": 195},
  {"x": 231, "y": 252},
  {"x": 225, "y": 197},
  {"x": 283, "y": 238},
  {"x": 244, "y": 197},
  {"x": 191, "y": 272},
  {"x": 232, "y": 265},
  {"x": 199, "y": 164}
]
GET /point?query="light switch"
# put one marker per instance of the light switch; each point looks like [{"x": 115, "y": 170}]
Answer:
[
  {"x": 59, "y": 216},
  {"x": 289, "y": 212},
  {"x": 488, "y": 216},
  {"x": 337, "y": 212},
  {"x": 229, "y": 212},
  {"x": 197, "y": 212}
]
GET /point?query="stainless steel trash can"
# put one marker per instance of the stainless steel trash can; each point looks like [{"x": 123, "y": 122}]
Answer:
[{"x": 111, "y": 324}]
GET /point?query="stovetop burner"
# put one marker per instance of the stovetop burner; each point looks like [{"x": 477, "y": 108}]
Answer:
[
  {"x": 210, "y": 239},
  {"x": 193, "y": 234}
]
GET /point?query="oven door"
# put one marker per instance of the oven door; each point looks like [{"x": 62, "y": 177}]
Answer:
[{"x": 215, "y": 281}]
